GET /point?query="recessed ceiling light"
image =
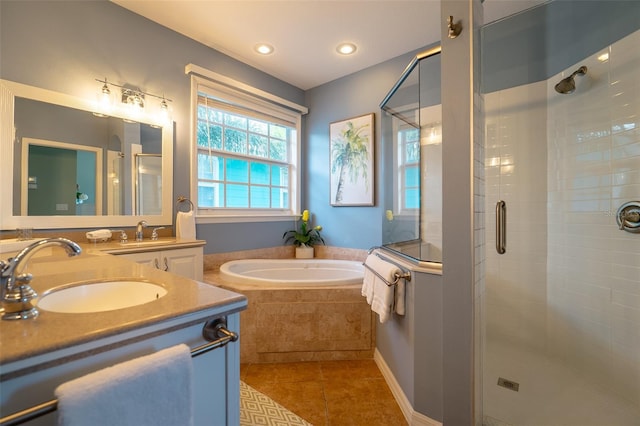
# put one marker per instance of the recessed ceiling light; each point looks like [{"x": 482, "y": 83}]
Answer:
[
  {"x": 346, "y": 48},
  {"x": 263, "y": 48}
]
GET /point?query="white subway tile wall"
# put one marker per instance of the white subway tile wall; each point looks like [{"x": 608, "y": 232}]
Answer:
[{"x": 593, "y": 168}]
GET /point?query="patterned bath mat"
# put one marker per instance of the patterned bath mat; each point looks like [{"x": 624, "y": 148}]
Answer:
[{"x": 258, "y": 409}]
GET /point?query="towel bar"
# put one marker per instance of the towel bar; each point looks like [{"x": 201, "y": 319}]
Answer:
[
  {"x": 406, "y": 274},
  {"x": 395, "y": 281},
  {"x": 183, "y": 199},
  {"x": 214, "y": 330}
]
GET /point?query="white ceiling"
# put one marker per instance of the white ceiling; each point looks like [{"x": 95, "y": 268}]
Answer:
[{"x": 305, "y": 33}]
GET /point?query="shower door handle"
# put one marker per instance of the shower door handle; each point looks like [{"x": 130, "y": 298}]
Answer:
[{"x": 501, "y": 227}]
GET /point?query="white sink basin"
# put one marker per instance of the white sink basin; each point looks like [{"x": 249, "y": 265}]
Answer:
[{"x": 100, "y": 297}]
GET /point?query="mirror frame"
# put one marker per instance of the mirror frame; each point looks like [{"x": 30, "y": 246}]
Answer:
[{"x": 9, "y": 90}]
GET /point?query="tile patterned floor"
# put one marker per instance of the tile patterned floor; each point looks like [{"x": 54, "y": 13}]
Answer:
[
  {"x": 257, "y": 408},
  {"x": 328, "y": 393}
]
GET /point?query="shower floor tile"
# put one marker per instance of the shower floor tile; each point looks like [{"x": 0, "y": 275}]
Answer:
[{"x": 550, "y": 393}]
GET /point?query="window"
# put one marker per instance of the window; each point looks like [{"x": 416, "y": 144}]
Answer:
[
  {"x": 409, "y": 167},
  {"x": 246, "y": 154},
  {"x": 244, "y": 159}
]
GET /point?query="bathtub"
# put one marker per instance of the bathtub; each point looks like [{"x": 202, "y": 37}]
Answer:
[
  {"x": 293, "y": 273},
  {"x": 300, "y": 309}
]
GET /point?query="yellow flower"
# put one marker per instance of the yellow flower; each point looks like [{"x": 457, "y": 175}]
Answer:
[
  {"x": 389, "y": 214},
  {"x": 306, "y": 235}
]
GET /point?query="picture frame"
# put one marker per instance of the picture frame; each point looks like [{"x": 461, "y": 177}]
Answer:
[{"x": 351, "y": 153}]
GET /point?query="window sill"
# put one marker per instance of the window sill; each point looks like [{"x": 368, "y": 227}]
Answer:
[{"x": 229, "y": 218}]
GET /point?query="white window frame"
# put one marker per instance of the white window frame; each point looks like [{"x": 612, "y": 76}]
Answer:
[
  {"x": 245, "y": 96},
  {"x": 402, "y": 166}
]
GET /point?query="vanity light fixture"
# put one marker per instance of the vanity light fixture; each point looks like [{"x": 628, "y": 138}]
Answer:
[
  {"x": 165, "y": 114},
  {"x": 104, "y": 101},
  {"x": 105, "y": 92},
  {"x": 134, "y": 99},
  {"x": 346, "y": 49},
  {"x": 264, "y": 48}
]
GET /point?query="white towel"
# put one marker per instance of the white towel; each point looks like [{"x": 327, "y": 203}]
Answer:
[
  {"x": 148, "y": 391},
  {"x": 379, "y": 295},
  {"x": 367, "y": 283},
  {"x": 369, "y": 280},
  {"x": 186, "y": 225}
]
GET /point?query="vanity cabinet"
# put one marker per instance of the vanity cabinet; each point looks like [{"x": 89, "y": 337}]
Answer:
[
  {"x": 216, "y": 374},
  {"x": 186, "y": 262}
]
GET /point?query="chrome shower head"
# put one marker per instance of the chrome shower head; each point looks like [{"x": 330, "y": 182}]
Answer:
[{"x": 568, "y": 85}]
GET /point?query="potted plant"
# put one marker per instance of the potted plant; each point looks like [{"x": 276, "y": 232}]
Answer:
[{"x": 305, "y": 237}]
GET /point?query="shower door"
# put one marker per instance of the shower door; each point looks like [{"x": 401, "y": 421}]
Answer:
[
  {"x": 561, "y": 343},
  {"x": 148, "y": 184}
]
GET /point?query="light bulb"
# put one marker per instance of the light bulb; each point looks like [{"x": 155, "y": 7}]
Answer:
[
  {"x": 104, "y": 101},
  {"x": 165, "y": 114},
  {"x": 264, "y": 48},
  {"x": 346, "y": 48}
]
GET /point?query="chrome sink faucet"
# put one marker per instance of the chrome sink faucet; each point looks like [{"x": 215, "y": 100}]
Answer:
[
  {"x": 17, "y": 294},
  {"x": 142, "y": 224},
  {"x": 154, "y": 234}
]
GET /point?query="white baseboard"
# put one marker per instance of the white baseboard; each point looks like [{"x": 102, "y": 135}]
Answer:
[{"x": 413, "y": 418}]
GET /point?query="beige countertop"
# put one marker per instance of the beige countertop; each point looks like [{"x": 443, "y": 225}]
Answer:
[
  {"x": 52, "y": 331},
  {"x": 131, "y": 246}
]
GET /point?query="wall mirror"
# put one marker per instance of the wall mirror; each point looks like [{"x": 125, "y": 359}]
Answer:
[{"x": 66, "y": 167}]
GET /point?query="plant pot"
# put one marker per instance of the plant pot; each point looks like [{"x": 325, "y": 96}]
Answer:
[{"x": 304, "y": 252}]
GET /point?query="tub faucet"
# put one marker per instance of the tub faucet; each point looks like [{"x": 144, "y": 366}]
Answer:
[
  {"x": 17, "y": 294},
  {"x": 142, "y": 224}
]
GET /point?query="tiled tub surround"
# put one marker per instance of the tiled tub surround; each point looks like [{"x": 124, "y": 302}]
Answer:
[{"x": 307, "y": 324}]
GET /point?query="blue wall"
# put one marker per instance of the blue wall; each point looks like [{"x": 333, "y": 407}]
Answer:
[
  {"x": 556, "y": 35},
  {"x": 347, "y": 97},
  {"x": 64, "y": 45}
]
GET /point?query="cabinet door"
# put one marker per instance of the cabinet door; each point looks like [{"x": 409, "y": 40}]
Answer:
[
  {"x": 185, "y": 262},
  {"x": 151, "y": 258}
]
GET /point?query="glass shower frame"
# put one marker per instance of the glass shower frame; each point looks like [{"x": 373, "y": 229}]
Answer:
[{"x": 412, "y": 160}]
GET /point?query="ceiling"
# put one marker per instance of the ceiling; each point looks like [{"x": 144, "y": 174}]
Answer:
[{"x": 305, "y": 33}]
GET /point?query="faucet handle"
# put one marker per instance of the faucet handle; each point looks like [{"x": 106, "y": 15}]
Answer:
[
  {"x": 18, "y": 301},
  {"x": 154, "y": 233},
  {"x": 24, "y": 278},
  {"x": 123, "y": 235}
]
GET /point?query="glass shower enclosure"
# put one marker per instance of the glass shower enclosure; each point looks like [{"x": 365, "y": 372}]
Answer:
[
  {"x": 561, "y": 305},
  {"x": 560, "y": 252},
  {"x": 412, "y": 161}
]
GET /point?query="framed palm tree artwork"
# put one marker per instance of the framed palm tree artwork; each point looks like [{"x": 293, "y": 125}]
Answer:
[{"x": 351, "y": 153}]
